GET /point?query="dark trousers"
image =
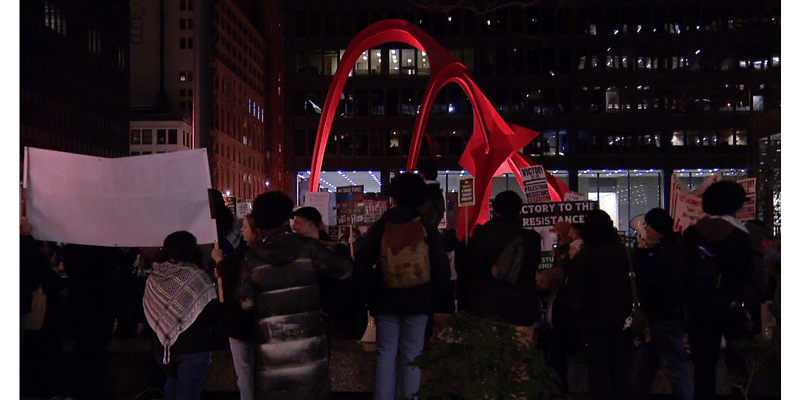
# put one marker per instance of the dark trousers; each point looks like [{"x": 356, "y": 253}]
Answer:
[
  {"x": 706, "y": 329},
  {"x": 608, "y": 355}
]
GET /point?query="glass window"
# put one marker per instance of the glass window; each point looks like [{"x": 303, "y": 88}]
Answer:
[
  {"x": 161, "y": 136},
  {"x": 147, "y": 136},
  {"x": 331, "y": 62},
  {"x": 375, "y": 143},
  {"x": 136, "y": 136},
  {"x": 623, "y": 194},
  {"x": 375, "y": 61},
  {"x": 299, "y": 143},
  {"x": 394, "y": 61},
  {"x": 173, "y": 136},
  {"x": 362, "y": 64}
]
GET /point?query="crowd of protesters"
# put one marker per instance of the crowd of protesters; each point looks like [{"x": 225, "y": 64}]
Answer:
[{"x": 284, "y": 293}]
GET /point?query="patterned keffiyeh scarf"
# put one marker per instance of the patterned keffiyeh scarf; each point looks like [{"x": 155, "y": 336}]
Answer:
[{"x": 174, "y": 296}]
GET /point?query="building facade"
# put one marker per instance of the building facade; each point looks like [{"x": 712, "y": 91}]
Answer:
[
  {"x": 210, "y": 99},
  {"x": 625, "y": 94},
  {"x": 74, "y": 68}
]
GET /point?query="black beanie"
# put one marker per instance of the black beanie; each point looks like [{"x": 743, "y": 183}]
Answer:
[{"x": 659, "y": 220}]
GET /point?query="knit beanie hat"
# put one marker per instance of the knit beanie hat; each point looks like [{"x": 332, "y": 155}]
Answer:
[{"x": 659, "y": 220}]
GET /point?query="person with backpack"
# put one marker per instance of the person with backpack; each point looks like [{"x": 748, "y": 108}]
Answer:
[
  {"x": 721, "y": 266},
  {"x": 504, "y": 285},
  {"x": 403, "y": 269}
]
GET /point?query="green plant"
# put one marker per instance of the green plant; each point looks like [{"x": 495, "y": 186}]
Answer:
[
  {"x": 755, "y": 352},
  {"x": 481, "y": 358}
]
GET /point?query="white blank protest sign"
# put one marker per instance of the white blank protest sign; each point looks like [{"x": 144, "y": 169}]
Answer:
[{"x": 126, "y": 202}]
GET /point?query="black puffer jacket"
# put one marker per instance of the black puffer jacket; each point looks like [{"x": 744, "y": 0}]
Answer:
[
  {"x": 291, "y": 353},
  {"x": 408, "y": 301}
]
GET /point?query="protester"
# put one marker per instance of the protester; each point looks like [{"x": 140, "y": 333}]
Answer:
[
  {"x": 40, "y": 333},
  {"x": 513, "y": 297},
  {"x": 600, "y": 301},
  {"x": 660, "y": 265},
  {"x": 555, "y": 335},
  {"x": 721, "y": 267},
  {"x": 283, "y": 273},
  {"x": 180, "y": 306},
  {"x": 238, "y": 323},
  {"x": 400, "y": 299},
  {"x": 433, "y": 208},
  {"x": 308, "y": 222}
]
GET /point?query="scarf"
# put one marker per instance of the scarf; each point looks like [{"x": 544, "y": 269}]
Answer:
[
  {"x": 174, "y": 296},
  {"x": 733, "y": 221}
]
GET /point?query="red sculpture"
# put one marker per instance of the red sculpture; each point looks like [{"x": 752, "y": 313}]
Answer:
[{"x": 494, "y": 146}]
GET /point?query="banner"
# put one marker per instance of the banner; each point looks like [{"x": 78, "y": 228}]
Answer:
[
  {"x": 375, "y": 204},
  {"x": 686, "y": 208},
  {"x": 125, "y": 202},
  {"x": 541, "y": 217},
  {"x": 534, "y": 184}
]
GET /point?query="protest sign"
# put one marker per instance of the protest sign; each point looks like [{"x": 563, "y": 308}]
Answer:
[
  {"x": 322, "y": 202},
  {"x": 375, "y": 205},
  {"x": 466, "y": 192},
  {"x": 541, "y": 217},
  {"x": 534, "y": 183},
  {"x": 748, "y": 210},
  {"x": 349, "y": 205},
  {"x": 125, "y": 202}
]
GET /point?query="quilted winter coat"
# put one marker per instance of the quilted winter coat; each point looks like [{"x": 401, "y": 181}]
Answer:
[{"x": 291, "y": 351}]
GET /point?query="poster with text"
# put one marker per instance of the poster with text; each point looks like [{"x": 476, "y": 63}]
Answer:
[
  {"x": 375, "y": 204},
  {"x": 349, "y": 204},
  {"x": 534, "y": 181},
  {"x": 542, "y": 216}
]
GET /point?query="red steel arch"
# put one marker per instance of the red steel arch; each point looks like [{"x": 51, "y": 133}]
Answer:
[{"x": 494, "y": 145}]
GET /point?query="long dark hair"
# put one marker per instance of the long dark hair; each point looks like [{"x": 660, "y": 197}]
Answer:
[{"x": 181, "y": 246}]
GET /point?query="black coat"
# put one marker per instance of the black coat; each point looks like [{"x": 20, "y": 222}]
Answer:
[
  {"x": 599, "y": 287},
  {"x": 516, "y": 304},
  {"x": 291, "y": 352},
  {"x": 661, "y": 279},
  {"x": 732, "y": 251}
]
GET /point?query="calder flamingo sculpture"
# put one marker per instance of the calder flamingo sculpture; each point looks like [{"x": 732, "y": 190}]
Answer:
[{"x": 494, "y": 146}]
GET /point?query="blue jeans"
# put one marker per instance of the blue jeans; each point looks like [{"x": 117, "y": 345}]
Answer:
[
  {"x": 243, "y": 354},
  {"x": 186, "y": 375},
  {"x": 666, "y": 347},
  {"x": 402, "y": 335}
]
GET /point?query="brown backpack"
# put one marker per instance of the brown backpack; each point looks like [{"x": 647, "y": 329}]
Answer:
[{"x": 404, "y": 259}]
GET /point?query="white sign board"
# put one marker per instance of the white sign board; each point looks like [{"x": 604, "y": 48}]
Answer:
[
  {"x": 322, "y": 202},
  {"x": 534, "y": 181},
  {"x": 126, "y": 202}
]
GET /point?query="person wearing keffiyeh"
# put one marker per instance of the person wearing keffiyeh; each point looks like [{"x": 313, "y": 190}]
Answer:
[{"x": 178, "y": 303}]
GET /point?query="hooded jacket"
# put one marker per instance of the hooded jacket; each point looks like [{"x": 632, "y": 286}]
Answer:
[
  {"x": 291, "y": 351},
  {"x": 729, "y": 242}
]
